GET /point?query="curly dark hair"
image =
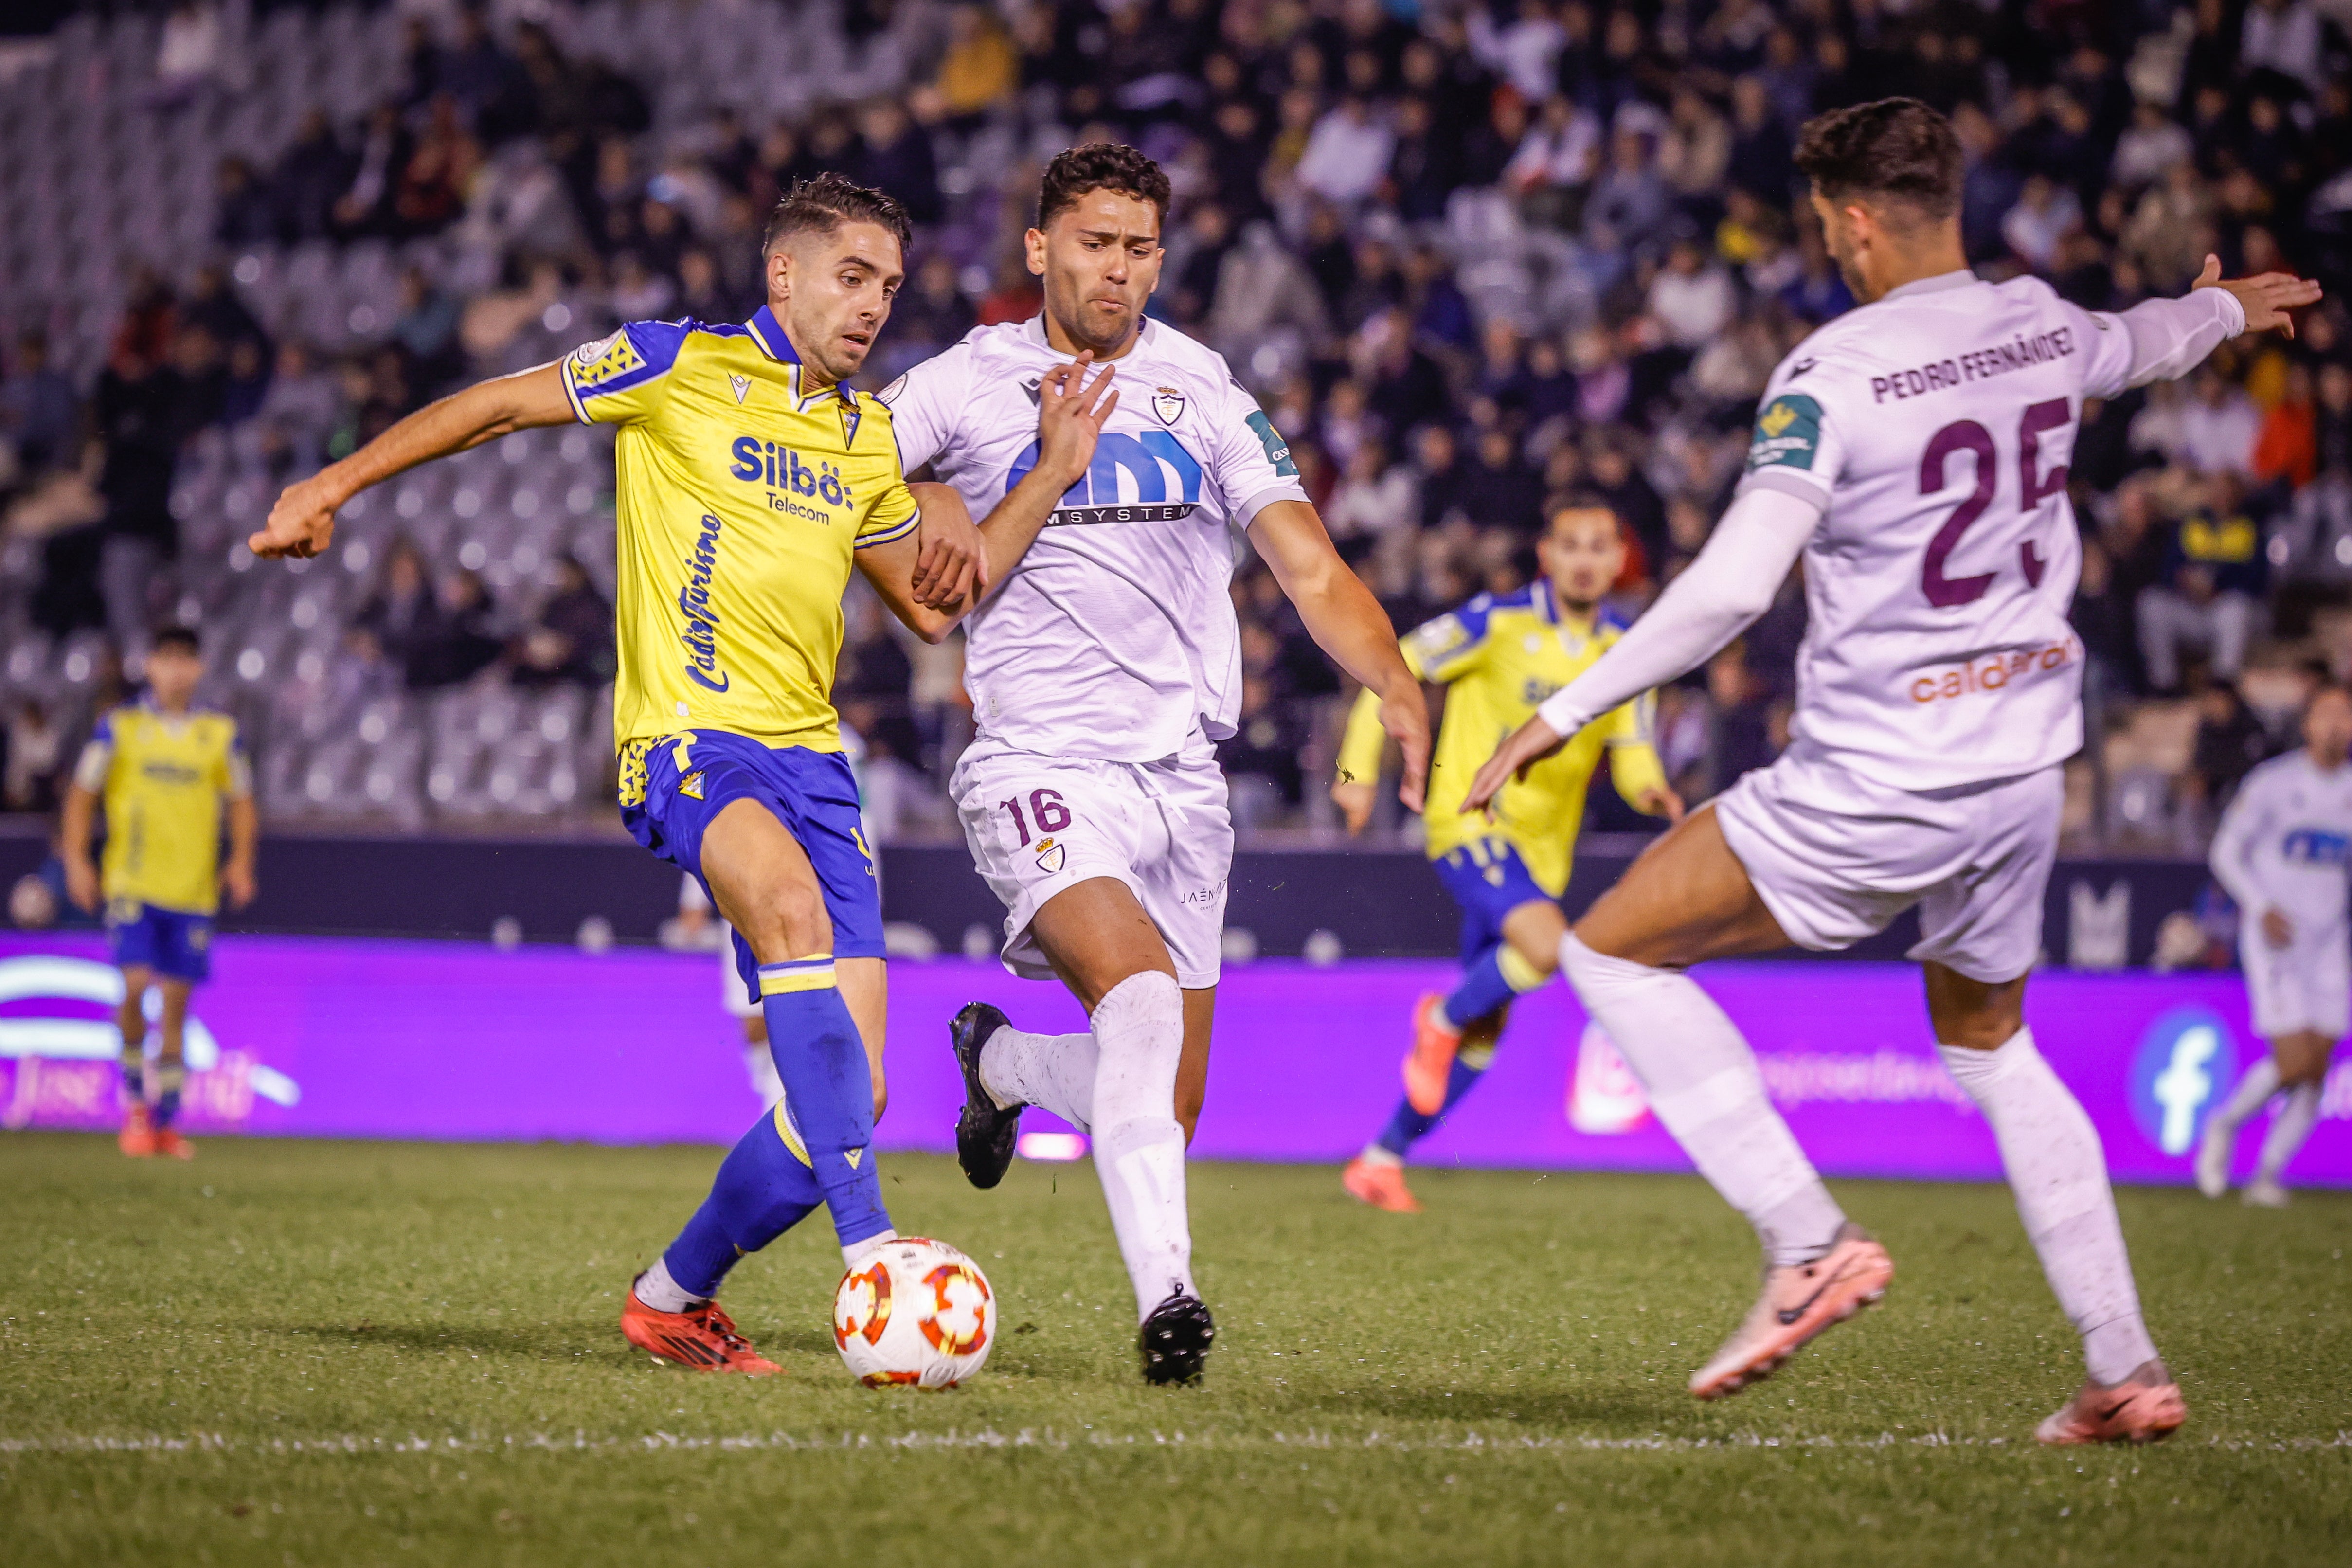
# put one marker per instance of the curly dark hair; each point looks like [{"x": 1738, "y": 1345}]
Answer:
[
  {"x": 828, "y": 201},
  {"x": 1100, "y": 166},
  {"x": 1895, "y": 149}
]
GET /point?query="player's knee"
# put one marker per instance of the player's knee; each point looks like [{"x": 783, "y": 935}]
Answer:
[{"x": 786, "y": 922}]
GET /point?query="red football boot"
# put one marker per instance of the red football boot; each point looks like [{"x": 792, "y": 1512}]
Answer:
[
  {"x": 700, "y": 1338},
  {"x": 170, "y": 1145},
  {"x": 137, "y": 1138}
]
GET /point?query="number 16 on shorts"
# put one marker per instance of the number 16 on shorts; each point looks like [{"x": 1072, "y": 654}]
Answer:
[{"x": 1043, "y": 807}]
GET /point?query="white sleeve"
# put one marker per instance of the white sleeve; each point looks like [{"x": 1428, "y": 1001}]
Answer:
[
  {"x": 2166, "y": 338},
  {"x": 1732, "y": 582},
  {"x": 2233, "y": 841},
  {"x": 924, "y": 405},
  {"x": 1249, "y": 461}
]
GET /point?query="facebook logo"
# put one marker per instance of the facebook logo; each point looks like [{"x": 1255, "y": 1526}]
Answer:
[{"x": 2184, "y": 1064}]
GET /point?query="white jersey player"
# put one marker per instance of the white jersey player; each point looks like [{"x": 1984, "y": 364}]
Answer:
[
  {"x": 2282, "y": 852},
  {"x": 1103, "y": 669},
  {"x": 1914, "y": 454}
]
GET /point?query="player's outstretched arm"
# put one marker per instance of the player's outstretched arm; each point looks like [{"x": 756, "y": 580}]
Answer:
[
  {"x": 895, "y": 570},
  {"x": 1349, "y": 624},
  {"x": 1731, "y": 582},
  {"x": 303, "y": 520},
  {"x": 2266, "y": 298}
]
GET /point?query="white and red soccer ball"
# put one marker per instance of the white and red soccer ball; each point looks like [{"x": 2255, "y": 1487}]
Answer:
[{"x": 916, "y": 1312}]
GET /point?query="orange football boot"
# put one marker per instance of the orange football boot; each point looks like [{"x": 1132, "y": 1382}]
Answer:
[
  {"x": 137, "y": 1138},
  {"x": 1436, "y": 1043},
  {"x": 170, "y": 1145},
  {"x": 700, "y": 1338},
  {"x": 1378, "y": 1184},
  {"x": 2145, "y": 1407}
]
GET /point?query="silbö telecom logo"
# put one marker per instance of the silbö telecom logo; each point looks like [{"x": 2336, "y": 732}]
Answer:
[{"x": 2184, "y": 1064}]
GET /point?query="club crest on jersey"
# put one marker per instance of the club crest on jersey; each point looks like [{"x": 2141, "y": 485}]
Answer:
[
  {"x": 1168, "y": 404},
  {"x": 1145, "y": 478},
  {"x": 1788, "y": 433},
  {"x": 1051, "y": 854},
  {"x": 741, "y": 385}
]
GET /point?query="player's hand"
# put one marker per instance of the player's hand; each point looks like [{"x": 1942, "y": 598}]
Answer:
[
  {"x": 950, "y": 560},
  {"x": 1071, "y": 410},
  {"x": 1404, "y": 714},
  {"x": 1661, "y": 801},
  {"x": 237, "y": 880},
  {"x": 81, "y": 885},
  {"x": 1530, "y": 743},
  {"x": 301, "y": 525},
  {"x": 1354, "y": 799},
  {"x": 2277, "y": 929},
  {"x": 2267, "y": 298}
]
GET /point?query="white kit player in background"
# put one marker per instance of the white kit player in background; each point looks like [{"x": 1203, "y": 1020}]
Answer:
[
  {"x": 2282, "y": 852},
  {"x": 1913, "y": 453},
  {"x": 1103, "y": 667}
]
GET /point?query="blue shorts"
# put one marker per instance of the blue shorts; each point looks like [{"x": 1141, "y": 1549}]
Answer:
[
  {"x": 813, "y": 794},
  {"x": 1490, "y": 880},
  {"x": 175, "y": 945}
]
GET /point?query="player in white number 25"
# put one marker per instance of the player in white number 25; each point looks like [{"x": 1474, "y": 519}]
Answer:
[
  {"x": 1914, "y": 453},
  {"x": 1103, "y": 667}
]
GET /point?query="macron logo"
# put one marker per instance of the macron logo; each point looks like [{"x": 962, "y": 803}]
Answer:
[{"x": 2184, "y": 1086}]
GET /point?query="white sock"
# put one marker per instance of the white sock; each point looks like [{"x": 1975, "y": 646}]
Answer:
[
  {"x": 759, "y": 1067},
  {"x": 657, "y": 1290},
  {"x": 857, "y": 1252},
  {"x": 1702, "y": 1082},
  {"x": 1052, "y": 1072},
  {"x": 1138, "y": 1026},
  {"x": 2252, "y": 1093},
  {"x": 2289, "y": 1128},
  {"x": 2059, "y": 1173}
]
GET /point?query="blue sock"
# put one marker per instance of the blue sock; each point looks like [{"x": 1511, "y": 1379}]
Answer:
[
  {"x": 1409, "y": 1126},
  {"x": 828, "y": 1089},
  {"x": 169, "y": 1079},
  {"x": 1488, "y": 981},
  {"x": 763, "y": 1191}
]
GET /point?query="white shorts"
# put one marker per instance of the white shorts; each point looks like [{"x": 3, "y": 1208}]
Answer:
[
  {"x": 1836, "y": 857},
  {"x": 2307, "y": 984},
  {"x": 1037, "y": 825}
]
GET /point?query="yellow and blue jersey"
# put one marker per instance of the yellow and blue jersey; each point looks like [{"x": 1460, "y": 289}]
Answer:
[
  {"x": 1499, "y": 655},
  {"x": 163, "y": 780},
  {"x": 742, "y": 500}
]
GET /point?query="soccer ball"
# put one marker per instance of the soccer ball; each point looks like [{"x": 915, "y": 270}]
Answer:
[{"x": 918, "y": 1311}]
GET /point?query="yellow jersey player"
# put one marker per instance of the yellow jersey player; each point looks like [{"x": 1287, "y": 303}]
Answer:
[
  {"x": 167, "y": 772},
  {"x": 1499, "y": 655},
  {"x": 750, "y": 480}
]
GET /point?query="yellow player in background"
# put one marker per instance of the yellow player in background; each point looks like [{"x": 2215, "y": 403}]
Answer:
[
  {"x": 167, "y": 772},
  {"x": 1499, "y": 655}
]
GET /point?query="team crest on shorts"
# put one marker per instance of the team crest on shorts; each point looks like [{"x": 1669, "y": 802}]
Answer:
[
  {"x": 690, "y": 785},
  {"x": 1051, "y": 854},
  {"x": 1168, "y": 404}
]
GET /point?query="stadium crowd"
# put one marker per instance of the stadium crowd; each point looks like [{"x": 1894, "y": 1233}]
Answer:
[{"x": 1468, "y": 253}]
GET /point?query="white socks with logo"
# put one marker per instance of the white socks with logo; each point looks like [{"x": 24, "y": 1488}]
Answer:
[
  {"x": 2297, "y": 1113},
  {"x": 2060, "y": 1176},
  {"x": 1139, "y": 1030},
  {"x": 1117, "y": 1084},
  {"x": 1053, "y": 1072},
  {"x": 1703, "y": 1084}
]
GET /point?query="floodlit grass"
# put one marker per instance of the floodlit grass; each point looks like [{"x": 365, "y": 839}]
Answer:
[{"x": 356, "y": 1353}]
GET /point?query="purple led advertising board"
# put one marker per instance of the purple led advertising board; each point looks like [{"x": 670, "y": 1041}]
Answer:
[{"x": 390, "y": 1039}]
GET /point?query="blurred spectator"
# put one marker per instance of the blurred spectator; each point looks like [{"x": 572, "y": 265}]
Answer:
[
  {"x": 246, "y": 211},
  {"x": 1347, "y": 154},
  {"x": 570, "y": 638},
  {"x": 457, "y": 639},
  {"x": 2230, "y": 741},
  {"x": 897, "y": 156},
  {"x": 313, "y": 175},
  {"x": 1690, "y": 298},
  {"x": 34, "y": 751},
  {"x": 2208, "y": 596},
  {"x": 2217, "y": 426},
  {"x": 39, "y": 412}
]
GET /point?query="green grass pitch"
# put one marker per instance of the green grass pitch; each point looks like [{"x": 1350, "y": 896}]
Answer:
[{"x": 357, "y": 1353}]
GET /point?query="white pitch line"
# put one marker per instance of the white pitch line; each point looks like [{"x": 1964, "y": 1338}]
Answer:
[{"x": 1047, "y": 1439}]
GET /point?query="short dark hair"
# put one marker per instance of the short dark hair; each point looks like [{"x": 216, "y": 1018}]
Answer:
[
  {"x": 1100, "y": 166},
  {"x": 184, "y": 638},
  {"x": 1580, "y": 500},
  {"x": 828, "y": 201},
  {"x": 1894, "y": 150}
]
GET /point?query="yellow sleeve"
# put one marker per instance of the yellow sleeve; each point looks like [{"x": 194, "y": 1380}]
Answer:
[
  {"x": 1634, "y": 762},
  {"x": 1360, "y": 749},
  {"x": 625, "y": 377},
  {"x": 1451, "y": 645},
  {"x": 894, "y": 516}
]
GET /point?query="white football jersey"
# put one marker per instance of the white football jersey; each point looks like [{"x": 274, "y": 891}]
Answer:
[
  {"x": 2285, "y": 840},
  {"x": 1114, "y": 638},
  {"x": 1934, "y": 427}
]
